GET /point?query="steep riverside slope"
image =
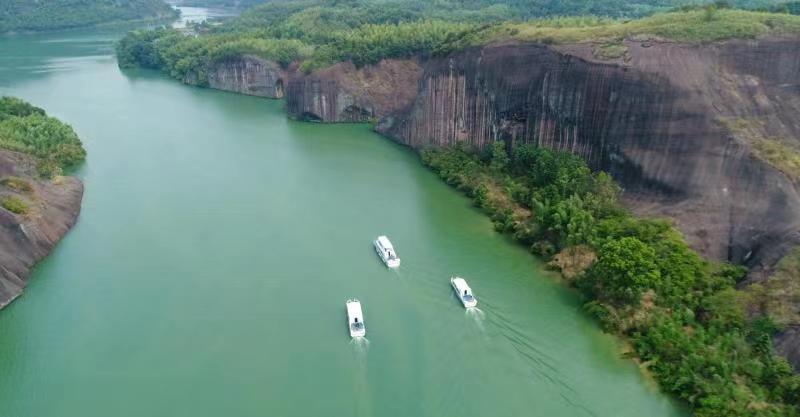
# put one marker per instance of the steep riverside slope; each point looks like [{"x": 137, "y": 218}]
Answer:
[
  {"x": 246, "y": 75},
  {"x": 26, "y": 239},
  {"x": 662, "y": 123}
]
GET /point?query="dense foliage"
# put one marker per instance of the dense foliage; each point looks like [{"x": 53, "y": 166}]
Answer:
[
  {"x": 28, "y": 129},
  {"x": 683, "y": 314},
  {"x": 14, "y": 204},
  {"x": 320, "y": 33},
  {"x": 31, "y": 15}
]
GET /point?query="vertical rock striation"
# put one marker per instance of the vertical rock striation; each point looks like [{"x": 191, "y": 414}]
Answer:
[
  {"x": 245, "y": 75},
  {"x": 343, "y": 93}
]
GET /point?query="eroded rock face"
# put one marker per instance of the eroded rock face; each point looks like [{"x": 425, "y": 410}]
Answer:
[
  {"x": 343, "y": 93},
  {"x": 26, "y": 239},
  {"x": 659, "y": 123},
  {"x": 248, "y": 75}
]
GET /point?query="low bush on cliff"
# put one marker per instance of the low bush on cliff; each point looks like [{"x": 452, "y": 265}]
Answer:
[
  {"x": 17, "y": 184},
  {"x": 682, "y": 313},
  {"x": 27, "y": 129},
  {"x": 14, "y": 204}
]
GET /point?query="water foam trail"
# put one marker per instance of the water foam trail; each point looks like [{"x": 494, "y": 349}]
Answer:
[
  {"x": 360, "y": 345},
  {"x": 478, "y": 317}
]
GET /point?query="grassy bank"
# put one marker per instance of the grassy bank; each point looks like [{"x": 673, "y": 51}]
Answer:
[
  {"x": 28, "y": 129},
  {"x": 682, "y": 314}
]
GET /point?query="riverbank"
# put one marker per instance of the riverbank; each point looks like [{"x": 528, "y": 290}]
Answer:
[{"x": 637, "y": 275}]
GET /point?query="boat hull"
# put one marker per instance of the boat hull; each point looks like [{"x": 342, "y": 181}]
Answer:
[
  {"x": 354, "y": 314},
  {"x": 459, "y": 291},
  {"x": 390, "y": 263}
]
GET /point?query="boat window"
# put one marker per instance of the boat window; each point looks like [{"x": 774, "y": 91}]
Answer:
[
  {"x": 468, "y": 297},
  {"x": 358, "y": 325}
]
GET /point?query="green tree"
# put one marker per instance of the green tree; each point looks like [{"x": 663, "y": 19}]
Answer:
[
  {"x": 625, "y": 268},
  {"x": 499, "y": 161}
]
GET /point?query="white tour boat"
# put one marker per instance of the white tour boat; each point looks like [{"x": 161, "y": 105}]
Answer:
[
  {"x": 386, "y": 252},
  {"x": 355, "y": 319},
  {"x": 464, "y": 292}
]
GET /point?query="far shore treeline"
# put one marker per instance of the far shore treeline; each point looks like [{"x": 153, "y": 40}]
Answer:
[{"x": 48, "y": 15}]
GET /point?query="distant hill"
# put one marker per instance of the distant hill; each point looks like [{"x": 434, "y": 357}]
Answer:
[
  {"x": 239, "y": 4},
  {"x": 42, "y": 15},
  {"x": 524, "y": 9}
]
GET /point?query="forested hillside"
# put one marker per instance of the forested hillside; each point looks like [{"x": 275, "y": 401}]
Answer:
[
  {"x": 33, "y": 15},
  {"x": 322, "y": 32}
]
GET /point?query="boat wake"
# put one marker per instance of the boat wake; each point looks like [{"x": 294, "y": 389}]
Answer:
[
  {"x": 477, "y": 316},
  {"x": 541, "y": 365},
  {"x": 360, "y": 344}
]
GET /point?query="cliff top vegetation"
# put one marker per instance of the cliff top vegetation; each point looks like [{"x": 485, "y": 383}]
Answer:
[
  {"x": 320, "y": 33},
  {"x": 28, "y": 129}
]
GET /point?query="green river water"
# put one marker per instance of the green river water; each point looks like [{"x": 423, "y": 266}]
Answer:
[{"x": 217, "y": 245}]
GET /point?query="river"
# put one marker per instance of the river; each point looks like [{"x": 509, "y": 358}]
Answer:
[{"x": 217, "y": 245}]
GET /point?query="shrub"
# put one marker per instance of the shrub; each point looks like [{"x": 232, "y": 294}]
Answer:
[
  {"x": 17, "y": 184},
  {"x": 14, "y": 204}
]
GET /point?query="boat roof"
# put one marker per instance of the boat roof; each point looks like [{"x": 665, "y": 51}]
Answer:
[
  {"x": 354, "y": 309},
  {"x": 384, "y": 241},
  {"x": 461, "y": 284}
]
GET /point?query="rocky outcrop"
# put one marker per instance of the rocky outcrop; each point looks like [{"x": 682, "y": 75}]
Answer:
[
  {"x": 245, "y": 75},
  {"x": 25, "y": 239},
  {"x": 343, "y": 93}
]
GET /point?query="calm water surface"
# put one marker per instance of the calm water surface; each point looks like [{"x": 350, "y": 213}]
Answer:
[{"x": 218, "y": 243}]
